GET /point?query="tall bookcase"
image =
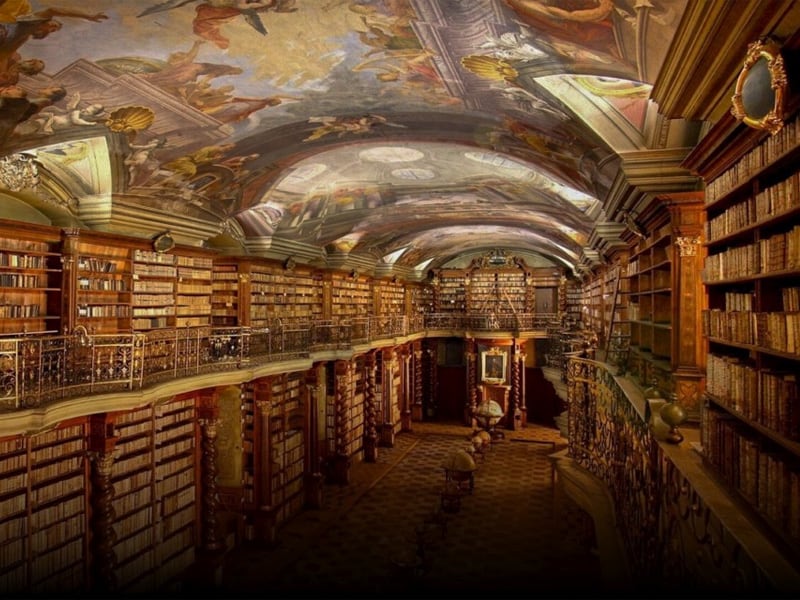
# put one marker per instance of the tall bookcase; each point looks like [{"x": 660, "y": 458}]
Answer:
[
  {"x": 751, "y": 419},
  {"x": 287, "y": 444},
  {"x": 43, "y": 511},
  {"x": 154, "y": 275},
  {"x": 30, "y": 280},
  {"x": 154, "y": 500},
  {"x": 650, "y": 306},
  {"x": 193, "y": 290},
  {"x": 103, "y": 286}
]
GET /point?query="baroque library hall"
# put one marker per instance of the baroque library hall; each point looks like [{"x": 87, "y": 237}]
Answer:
[{"x": 400, "y": 298}]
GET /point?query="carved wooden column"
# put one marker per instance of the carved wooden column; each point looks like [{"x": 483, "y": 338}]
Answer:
[
  {"x": 341, "y": 423},
  {"x": 688, "y": 349},
  {"x": 516, "y": 410},
  {"x": 406, "y": 390},
  {"x": 262, "y": 461},
  {"x": 432, "y": 383},
  {"x": 388, "y": 398},
  {"x": 313, "y": 474},
  {"x": 370, "y": 411},
  {"x": 208, "y": 418},
  {"x": 472, "y": 385},
  {"x": 416, "y": 407},
  {"x": 103, "y": 559},
  {"x": 521, "y": 388},
  {"x": 69, "y": 251}
]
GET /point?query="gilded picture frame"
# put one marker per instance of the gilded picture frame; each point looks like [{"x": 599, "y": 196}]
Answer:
[
  {"x": 494, "y": 366},
  {"x": 758, "y": 99}
]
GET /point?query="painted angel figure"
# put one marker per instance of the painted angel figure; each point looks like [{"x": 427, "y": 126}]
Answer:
[
  {"x": 343, "y": 125},
  {"x": 211, "y": 15}
]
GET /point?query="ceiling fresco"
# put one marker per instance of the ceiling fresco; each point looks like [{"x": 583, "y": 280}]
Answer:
[{"x": 389, "y": 132}]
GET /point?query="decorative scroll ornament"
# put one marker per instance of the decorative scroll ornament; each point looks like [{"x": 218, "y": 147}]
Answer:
[
  {"x": 687, "y": 246},
  {"x": 19, "y": 172}
]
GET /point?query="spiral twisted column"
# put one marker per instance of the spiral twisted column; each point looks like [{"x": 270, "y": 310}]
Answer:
[
  {"x": 370, "y": 411},
  {"x": 472, "y": 399},
  {"x": 210, "y": 495},
  {"x": 341, "y": 466},
  {"x": 416, "y": 407},
  {"x": 518, "y": 405},
  {"x": 101, "y": 524}
]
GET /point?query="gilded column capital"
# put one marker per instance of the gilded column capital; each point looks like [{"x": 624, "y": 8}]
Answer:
[{"x": 687, "y": 245}]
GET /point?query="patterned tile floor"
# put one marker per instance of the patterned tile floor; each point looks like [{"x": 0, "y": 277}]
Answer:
[{"x": 512, "y": 537}]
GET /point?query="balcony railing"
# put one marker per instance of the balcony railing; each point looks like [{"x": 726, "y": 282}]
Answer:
[
  {"x": 676, "y": 532},
  {"x": 35, "y": 370}
]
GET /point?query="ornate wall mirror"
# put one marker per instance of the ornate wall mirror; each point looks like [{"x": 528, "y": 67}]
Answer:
[{"x": 761, "y": 87}]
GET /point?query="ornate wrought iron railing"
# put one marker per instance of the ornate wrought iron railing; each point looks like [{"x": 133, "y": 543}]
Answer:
[
  {"x": 491, "y": 322},
  {"x": 35, "y": 370},
  {"x": 675, "y": 541}
]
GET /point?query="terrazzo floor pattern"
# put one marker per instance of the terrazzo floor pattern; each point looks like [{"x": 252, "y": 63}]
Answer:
[{"x": 383, "y": 534}]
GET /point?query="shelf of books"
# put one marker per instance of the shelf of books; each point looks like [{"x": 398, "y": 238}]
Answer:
[
  {"x": 450, "y": 294},
  {"x": 279, "y": 293},
  {"x": 497, "y": 291},
  {"x": 193, "y": 289},
  {"x": 751, "y": 420},
  {"x": 134, "y": 498},
  {"x": 287, "y": 443},
  {"x": 650, "y": 306},
  {"x": 351, "y": 296},
  {"x": 249, "y": 444},
  {"x": 103, "y": 294},
  {"x": 355, "y": 417},
  {"x": 154, "y": 275},
  {"x": 175, "y": 488},
  {"x": 225, "y": 294},
  {"x": 30, "y": 280},
  {"x": 43, "y": 511},
  {"x": 390, "y": 297}
]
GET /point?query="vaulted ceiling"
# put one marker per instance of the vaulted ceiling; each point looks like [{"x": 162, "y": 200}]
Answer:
[{"x": 392, "y": 135}]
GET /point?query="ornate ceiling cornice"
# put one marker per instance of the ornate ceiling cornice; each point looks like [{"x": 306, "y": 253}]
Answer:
[{"x": 697, "y": 79}]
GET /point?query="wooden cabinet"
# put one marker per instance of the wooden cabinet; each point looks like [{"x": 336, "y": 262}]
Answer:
[
  {"x": 751, "y": 420},
  {"x": 30, "y": 280}
]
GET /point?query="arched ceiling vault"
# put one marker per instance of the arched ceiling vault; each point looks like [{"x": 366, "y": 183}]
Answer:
[{"x": 402, "y": 134}]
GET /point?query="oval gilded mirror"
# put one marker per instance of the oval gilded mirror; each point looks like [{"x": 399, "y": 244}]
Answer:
[{"x": 761, "y": 87}]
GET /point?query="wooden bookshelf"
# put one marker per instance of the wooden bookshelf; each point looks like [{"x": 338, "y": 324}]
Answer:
[
  {"x": 648, "y": 279},
  {"x": 193, "y": 289},
  {"x": 103, "y": 284},
  {"x": 43, "y": 511},
  {"x": 751, "y": 419},
  {"x": 287, "y": 443},
  {"x": 351, "y": 296},
  {"x": 30, "y": 280},
  {"x": 225, "y": 295},
  {"x": 154, "y": 276}
]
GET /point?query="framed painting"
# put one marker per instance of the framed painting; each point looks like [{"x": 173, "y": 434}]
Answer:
[{"x": 494, "y": 366}]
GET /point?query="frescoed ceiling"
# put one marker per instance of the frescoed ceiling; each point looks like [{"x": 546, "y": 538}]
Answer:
[{"x": 399, "y": 133}]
